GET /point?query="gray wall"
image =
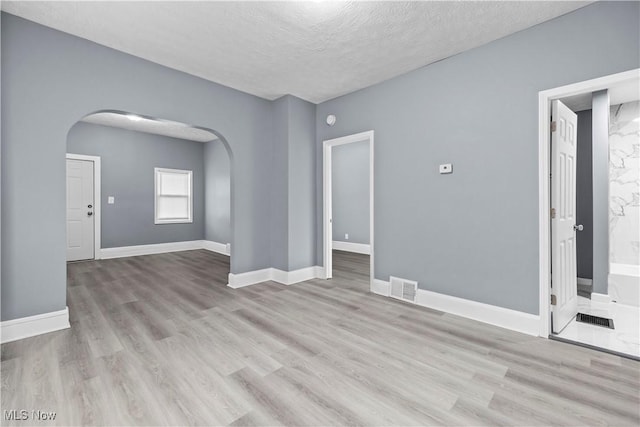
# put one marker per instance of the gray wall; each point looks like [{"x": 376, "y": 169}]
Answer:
[
  {"x": 279, "y": 203},
  {"x": 584, "y": 196},
  {"x": 49, "y": 81},
  {"x": 477, "y": 110},
  {"x": 302, "y": 184},
  {"x": 350, "y": 182},
  {"x": 217, "y": 172},
  {"x": 600, "y": 155},
  {"x": 293, "y": 205},
  {"x": 474, "y": 233},
  {"x": 128, "y": 159}
]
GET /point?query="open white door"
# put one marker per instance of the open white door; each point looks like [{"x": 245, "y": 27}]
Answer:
[
  {"x": 80, "y": 210},
  {"x": 564, "y": 288}
]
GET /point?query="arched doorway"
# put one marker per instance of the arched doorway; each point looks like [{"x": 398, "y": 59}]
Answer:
[{"x": 135, "y": 153}]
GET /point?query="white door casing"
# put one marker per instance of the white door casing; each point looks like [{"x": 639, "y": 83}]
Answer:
[
  {"x": 328, "y": 211},
  {"x": 80, "y": 210},
  {"x": 545, "y": 98},
  {"x": 327, "y": 221},
  {"x": 563, "y": 216}
]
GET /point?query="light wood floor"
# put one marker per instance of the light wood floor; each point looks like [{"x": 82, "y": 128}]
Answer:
[{"x": 160, "y": 340}]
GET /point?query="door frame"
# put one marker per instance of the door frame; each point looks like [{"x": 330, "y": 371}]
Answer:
[
  {"x": 544, "y": 182},
  {"x": 327, "y": 192},
  {"x": 97, "y": 244}
]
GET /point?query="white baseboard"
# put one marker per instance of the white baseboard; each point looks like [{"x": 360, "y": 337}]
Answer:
[
  {"x": 159, "y": 248},
  {"x": 241, "y": 280},
  {"x": 359, "y": 248},
  {"x": 380, "y": 287},
  {"x": 297, "y": 276},
  {"x": 285, "y": 277},
  {"x": 585, "y": 282},
  {"x": 212, "y": 246},
  {"x": 25, "y": 327},
  {"x": 519, "y": 321},
  {"x": 600, "y": 298}
]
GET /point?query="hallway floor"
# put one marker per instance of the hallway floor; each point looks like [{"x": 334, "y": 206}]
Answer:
[{"x": 625, "y": 338}]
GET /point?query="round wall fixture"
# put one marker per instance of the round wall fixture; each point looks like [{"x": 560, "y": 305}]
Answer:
[{"x": 331, "y": 120}]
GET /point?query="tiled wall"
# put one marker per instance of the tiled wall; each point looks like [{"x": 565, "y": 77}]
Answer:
[{"x": 624, "y": 184}]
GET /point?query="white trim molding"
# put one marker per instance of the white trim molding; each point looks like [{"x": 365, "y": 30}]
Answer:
[
  {"x": 380, "y": 287},
  {"x": 358, "y": 248},
  {"x": 221, "y": 248},
  {"x": 544, "y": 141},
  {"x": 600, "y": 298},
  {"x": 514, "y": 320},
  {"x": 97, "y": 200},
  {"x": 158, "y": 173},
  {"x": 249, "y": 278},
  {"x": 159, "y": 248},
  {"x": 327, "y": 220},
  {"x": 240, "y": 280},
  {"x": 25, "y": 327}
]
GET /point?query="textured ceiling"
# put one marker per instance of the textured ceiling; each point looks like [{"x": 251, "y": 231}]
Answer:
[
  {"x": 313, "y": 50},
  {"x": 149, "y": 125}
]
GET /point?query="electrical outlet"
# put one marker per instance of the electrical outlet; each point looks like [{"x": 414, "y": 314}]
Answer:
[
  {"x": 346, "y": 236},
  {"x": 111, "y": 200}
]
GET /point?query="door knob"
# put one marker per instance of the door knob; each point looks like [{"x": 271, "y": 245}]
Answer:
[
  {"x": 90, "y": 206},
  {"x": 579, "y": 227},
  {"x": 89, "y": 213}
]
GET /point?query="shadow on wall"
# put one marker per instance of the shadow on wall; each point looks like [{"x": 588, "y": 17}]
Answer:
[{"x": 130, "y": 147}]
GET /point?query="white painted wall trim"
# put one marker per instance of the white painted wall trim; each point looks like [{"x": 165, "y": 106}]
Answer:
[
  {"x": 159, "y": 248},
  {"x": 97, "y": 200},
  {"x": 25, "y": 327},
  {"x": 600, "y": 298},
  {"x": 241, "y": 280},
  {"x": 327, "y": 220},
  {"x": 518, "y": 321},
  {"x": 380, "y": 287},
  {"x": 544, "y": 222},
  {"x": 249, "y": 278},
  {"x": 221, "y": 248},
  {"x": 358, "y": 248}
]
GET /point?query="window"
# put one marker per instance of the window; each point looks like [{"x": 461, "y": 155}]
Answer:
[{"x": 173, "y": 196}]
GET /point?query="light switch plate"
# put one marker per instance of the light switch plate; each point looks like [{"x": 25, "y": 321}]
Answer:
[
  {"x": 111, "y": 200},
  {"x": 446, "y": 168}
]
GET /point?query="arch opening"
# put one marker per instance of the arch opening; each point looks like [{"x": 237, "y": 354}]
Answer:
[{"x": 129, "y": 148}]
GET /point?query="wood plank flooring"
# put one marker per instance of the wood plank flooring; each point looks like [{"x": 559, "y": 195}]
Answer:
[{"x": 160, "y": 340}]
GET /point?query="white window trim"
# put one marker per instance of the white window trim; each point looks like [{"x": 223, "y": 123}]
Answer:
[{"x": 155, "y": 197}]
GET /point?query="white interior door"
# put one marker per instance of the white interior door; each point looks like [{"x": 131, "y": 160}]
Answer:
[
  {"x": 564, "y": 288},
  {"x": 80, "y": 210}
]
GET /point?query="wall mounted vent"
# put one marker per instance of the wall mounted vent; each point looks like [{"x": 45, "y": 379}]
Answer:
[{"x": 403, "y": 289}]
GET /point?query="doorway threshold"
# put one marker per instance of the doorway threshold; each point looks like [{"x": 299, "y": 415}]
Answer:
[{"x": 593, "y": 347}]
